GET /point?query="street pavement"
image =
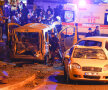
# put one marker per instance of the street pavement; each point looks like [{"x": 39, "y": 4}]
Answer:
[{"x": 56, "y": 82}]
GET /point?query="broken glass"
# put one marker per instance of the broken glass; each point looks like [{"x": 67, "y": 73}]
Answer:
[
  {"x": 28, "y": 43},
  {"x": 87, "y": 53}
]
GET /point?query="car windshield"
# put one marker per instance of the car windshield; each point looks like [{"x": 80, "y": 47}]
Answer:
[
  {"x": 87, "y": 53},
  {"x": 28, "y": 43},
  {"x": 90, "y": 43}
]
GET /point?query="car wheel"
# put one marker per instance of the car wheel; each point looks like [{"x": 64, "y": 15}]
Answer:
[{"x": 46, "y": 59}]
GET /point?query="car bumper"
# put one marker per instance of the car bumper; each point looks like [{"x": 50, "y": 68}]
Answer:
[{"x": 76, "y": 74}]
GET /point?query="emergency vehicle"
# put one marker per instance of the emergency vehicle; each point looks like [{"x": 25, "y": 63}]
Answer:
[{"x": 87, "y": 16}]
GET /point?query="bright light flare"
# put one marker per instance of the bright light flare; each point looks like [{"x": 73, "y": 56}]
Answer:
[{"x": 82, "y": 3}]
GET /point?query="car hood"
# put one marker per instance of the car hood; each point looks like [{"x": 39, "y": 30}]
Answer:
[{"x": 90, "y": 62}]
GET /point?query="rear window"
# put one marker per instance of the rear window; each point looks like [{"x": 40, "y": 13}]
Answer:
[{"x": 89, "y": 43}]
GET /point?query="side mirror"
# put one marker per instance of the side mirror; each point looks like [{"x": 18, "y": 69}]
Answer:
[{"x": 67, "y": 57}]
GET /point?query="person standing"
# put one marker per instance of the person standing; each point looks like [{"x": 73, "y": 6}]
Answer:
[
  {"x": 49, "y": 17},
  {"x": 90, "y": 33},
  {"x": 24, "y": 14},
  {"x": 54, "y": 46},
  {"x": 50, "y": 9},
  {"x": 96, "y": 31}
]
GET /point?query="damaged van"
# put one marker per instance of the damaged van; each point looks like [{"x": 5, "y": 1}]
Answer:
[{"x": 31, "y": 41}]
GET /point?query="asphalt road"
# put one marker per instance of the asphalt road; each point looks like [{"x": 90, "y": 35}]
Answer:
[{"x": 56, "y": 82}]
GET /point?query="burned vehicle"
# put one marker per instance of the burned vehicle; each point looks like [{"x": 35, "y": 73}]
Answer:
[{"x": 30, "y": 41}]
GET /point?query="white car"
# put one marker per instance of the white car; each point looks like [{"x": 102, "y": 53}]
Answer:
[
  {"x": 100, "y": 41},
  {"x": 86, "y": 63}
]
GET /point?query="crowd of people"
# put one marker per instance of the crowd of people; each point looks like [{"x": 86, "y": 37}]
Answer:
[{"x": 22, "y": 15}]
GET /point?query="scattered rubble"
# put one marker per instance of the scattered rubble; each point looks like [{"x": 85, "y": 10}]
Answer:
[{"x": 18, "y": 74}]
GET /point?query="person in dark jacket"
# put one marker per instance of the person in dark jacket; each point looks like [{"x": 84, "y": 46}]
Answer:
[
  {"x": 24, "y": 14},
  {"x": 50, "y": 9},
  {"x": 90, "y": 33},
  {"x": 96, "y": 31},
  {"x": 54, "y": 45},
  {"x": 49, "y": 17},
  {"x": 53, "y": 42}
]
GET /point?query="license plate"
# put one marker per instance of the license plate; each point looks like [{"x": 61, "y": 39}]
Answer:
[{"x": 91, "y": 73}]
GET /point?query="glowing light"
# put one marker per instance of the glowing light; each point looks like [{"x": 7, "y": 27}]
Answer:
[
  {"x": 58, "y": 18},
  {"x": 82, "y": 3}
]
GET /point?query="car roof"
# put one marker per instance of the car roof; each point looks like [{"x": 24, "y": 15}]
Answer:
[
  {"x": 33, "y": 27},
  {"x": 96, "y": 38}
]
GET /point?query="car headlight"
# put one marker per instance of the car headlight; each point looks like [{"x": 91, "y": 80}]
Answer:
[
  {"x": 75, "y": 66},
  {"x": 105, "y": 67}
]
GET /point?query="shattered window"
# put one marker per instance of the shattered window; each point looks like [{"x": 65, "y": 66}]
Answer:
[
  {"x": 87, "y": 53},
  {"x": 28, "y": 43}
]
